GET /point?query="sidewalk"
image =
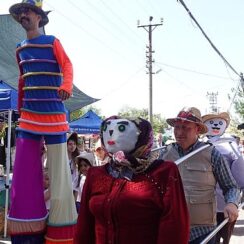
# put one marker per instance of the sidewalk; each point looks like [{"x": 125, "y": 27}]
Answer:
[
  {"x": 237, "y": 237},
  {"x": 4, "y": 240}
]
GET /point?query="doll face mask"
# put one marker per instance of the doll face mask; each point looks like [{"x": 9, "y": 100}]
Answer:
[
  {"x": 216, "y": 127},
  {"x": 120, "y": 135}
]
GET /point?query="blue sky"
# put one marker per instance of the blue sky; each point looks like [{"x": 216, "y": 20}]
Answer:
[{"x": 108, "y": 50}]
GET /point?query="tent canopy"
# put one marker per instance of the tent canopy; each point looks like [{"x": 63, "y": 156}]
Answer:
[
  {"x": 8, "y": 96},
  {"x": 89, "y": 123},
  {"x": 5, "y": 99},
  {"x": 8, "y": 101},
  {"x": 12, "y": 33}
]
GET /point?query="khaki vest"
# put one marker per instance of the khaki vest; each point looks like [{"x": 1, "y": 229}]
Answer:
[{"x": 199, "y": 185}]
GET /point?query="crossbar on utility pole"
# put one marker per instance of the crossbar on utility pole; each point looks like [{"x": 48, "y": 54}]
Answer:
[{"x": 149, "y": 28}]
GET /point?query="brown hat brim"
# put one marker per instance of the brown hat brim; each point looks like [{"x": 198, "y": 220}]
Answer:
[
  {"x": 203, "y": 127},
  {"x": 14, "y": 11}
]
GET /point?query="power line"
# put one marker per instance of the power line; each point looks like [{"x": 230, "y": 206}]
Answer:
[
  {"x": 142, "y": 7},
  {"x": 193, "y": 71},
  {"x": 88, "y": 33},
  {"x": 240, "y": 75},
  {"x": 205, "y": 35},
  {"x": 118, "y": 17},
  {"x": 128, "y": 80},
  {"x": 97, "y": 22},
  {"x": 117, "y": 27}
]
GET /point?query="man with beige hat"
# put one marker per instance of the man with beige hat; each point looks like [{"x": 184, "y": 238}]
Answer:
[{"x": 200, "y": 173}]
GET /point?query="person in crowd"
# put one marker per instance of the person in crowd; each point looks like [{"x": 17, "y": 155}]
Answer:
[
  {"x": 102, "y": 155},
  {"x": 134, "y": 198},
  {"x": 4, "y": 142},
  {"x": 83, "y": 162},
  {"x": 217, "y": 125},
  {"x": 45, "y": 82},
  {"x": 160, "y": 140},
  {"x": 80, "y": 144},
  {"x": 73, "y": 152},
  {"x": 200, "y": 173}
]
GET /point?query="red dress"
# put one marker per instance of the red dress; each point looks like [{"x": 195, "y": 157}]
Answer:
[{"x": 150, "y": 209}]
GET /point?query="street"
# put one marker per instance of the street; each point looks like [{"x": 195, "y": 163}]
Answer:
[{"x": 237, "y": 237}]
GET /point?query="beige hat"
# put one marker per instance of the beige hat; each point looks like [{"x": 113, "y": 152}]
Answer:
[
  {"x": 88, "y": 157},
  {"x": 225, "y": 116},
  {"x": 189, "y": 114}
]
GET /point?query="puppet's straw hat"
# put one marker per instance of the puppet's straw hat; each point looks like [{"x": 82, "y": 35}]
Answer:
[{"x": 225, "y": 116}]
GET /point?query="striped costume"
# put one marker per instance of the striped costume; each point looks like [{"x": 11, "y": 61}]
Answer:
[{"x": 44, "y": 70}]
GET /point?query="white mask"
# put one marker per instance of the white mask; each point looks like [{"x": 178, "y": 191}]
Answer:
[
  {"x": 216, "y": 126},
  {"x": 120, "y": 135}
]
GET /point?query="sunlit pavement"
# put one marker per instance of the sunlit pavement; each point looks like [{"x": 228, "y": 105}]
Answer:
[
  {"x": 237, "y": 237},
  {"x": 4, "y": 241}
]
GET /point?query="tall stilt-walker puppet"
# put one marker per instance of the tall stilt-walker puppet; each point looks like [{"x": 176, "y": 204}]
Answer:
[
  {"x": 45, "y": 81},
  {"x": 217, "y": 125}
]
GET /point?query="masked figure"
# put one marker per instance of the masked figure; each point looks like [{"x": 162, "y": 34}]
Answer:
[
  {"x": 134, "y": 198},
  {"x": 227, "y": 146}
]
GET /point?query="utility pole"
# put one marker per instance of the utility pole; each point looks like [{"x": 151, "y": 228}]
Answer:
[
  {"x": 213, "y": 104},
  {"x": 149, "y": 28}
]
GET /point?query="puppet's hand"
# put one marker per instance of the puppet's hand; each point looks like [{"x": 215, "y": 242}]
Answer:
[{"x": 63, "y": 95}]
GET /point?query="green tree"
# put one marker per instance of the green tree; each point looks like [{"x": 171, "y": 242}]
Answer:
[
  {"x": 238, "y": 101},
  {"x": 159, "y": 123},
  {"x": 76, "y": 114}
]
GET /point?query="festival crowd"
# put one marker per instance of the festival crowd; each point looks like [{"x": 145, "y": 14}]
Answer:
[{"x": 124, "y": 189}]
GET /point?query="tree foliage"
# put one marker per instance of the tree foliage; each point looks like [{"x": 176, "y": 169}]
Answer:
[
  {"x": 239, "y": 101},
  {"x": 76, "y": 114},
  {"x": 159, "y": 123}
]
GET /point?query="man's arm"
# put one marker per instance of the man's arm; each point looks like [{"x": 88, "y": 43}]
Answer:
[{"x": 65, "y": 89}]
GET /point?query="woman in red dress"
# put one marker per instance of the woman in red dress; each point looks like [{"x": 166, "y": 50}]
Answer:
[{"x": 135, "y": 198}]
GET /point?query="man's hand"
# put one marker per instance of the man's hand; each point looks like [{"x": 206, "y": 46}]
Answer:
[
  {"x": 231, "y": 212},
  {"x": 63, "y": 95}
]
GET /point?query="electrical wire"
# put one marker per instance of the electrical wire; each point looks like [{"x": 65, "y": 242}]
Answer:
[
  {"x": 193, "y": 71},
  {"x": 112, "y": 91},
  {"x": 205, "y": 35},
  {"x": 88, "y": 33},
  {"x": 117, "y": 27},
  {"x": 98, "y": 23},
  {"x": 215, "y": 48},
  {"x": 118, "y": 17}
]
